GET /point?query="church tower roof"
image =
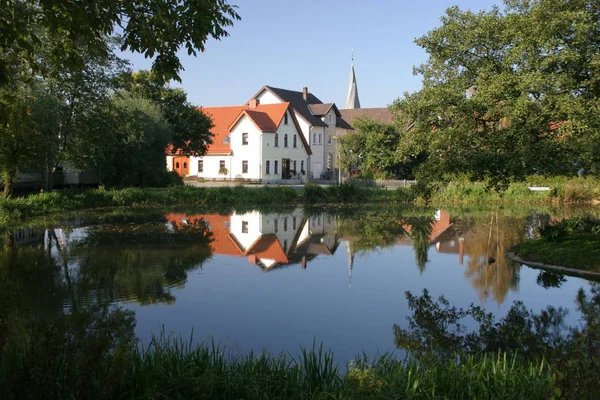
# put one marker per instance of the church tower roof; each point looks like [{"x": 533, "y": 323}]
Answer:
[{"x": 352, "y": 100}]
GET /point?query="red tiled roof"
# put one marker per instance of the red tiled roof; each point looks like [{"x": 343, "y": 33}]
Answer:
[
  {"x": 223, "y": 243},
  {"x": 268, "y": 247},
  {"x": 266, "y": 117}
]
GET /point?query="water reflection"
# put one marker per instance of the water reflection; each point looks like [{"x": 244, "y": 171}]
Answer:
[{"x": 142, "y": 261}]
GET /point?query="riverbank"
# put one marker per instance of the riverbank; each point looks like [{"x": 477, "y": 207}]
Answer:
[
  {"x": 565, "y": 191},
  {"x": 570, "y": 246}
]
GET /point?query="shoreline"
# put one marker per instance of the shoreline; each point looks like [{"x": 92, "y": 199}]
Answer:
[{"x": 554, "y": 268}]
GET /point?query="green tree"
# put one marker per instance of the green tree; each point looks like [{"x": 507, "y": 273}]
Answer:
[
  {"x": 71, "y": 45},
  {"x": 372, "y": 148},
  {"x": 190, "y": 128},
  {"x": 508, "y": 93},
  {"x": 126, "y": 141},
  {"x": 156, "y": 28}
]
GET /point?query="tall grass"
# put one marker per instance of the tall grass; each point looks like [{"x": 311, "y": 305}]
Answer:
[{"x": 459, "y": 191}]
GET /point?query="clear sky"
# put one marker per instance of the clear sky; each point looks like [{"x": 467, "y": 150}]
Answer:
[{"x": 291, "y": 44}]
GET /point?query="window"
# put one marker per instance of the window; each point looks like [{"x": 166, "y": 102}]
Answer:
[
  {"x": 329, "y": 139},
  {"x": 244, "y": 226},
  {"x": 329, "y": 118},
  {"x": 329, "y": 160},
  {"x": 294, "y": 223},
  {"x": 302, "y": 165},
  {"x": 295, "y": 166},
  {"x": 227, "y": 139},
  {"x": 200, "y": 166},
  {"x": 285, "y": 118},
  {"x": 221, "y": 164},
  {"x": 314, "y": 138},
  {"x": 285, "y": 224},
  {"x": 285, "y": 141},
  {"x": 275, "y": 166},
  {"x": 177, "y": 165},
  {"x": 295, "y": 141},
  {"x": 245, "y": 167},
  {"x": 184, "y": 165},
  {"x": 285, "y": 245},
  {"x": 245, "y": 139},
  {"x": 276, "y": 140},
  {"x": 268, "y": 167},
  {"x": 275, "y": 225},
  {"x": 320, "y": 138}
]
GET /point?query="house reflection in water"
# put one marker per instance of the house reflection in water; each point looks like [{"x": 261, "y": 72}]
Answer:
[{"x": 268, "y": 241}]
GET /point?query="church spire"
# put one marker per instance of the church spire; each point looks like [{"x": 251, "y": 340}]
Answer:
[{"x": 352, "y": 100}]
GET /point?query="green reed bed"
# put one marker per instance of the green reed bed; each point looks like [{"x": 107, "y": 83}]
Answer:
[
  {"x": 173, "y": 369},
  {"x": 460, "y": 191}
]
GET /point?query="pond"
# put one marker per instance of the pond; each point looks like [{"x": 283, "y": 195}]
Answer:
[{"x": 264, "y": 280}]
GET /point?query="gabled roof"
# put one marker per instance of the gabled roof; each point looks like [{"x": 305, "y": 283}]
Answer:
[
  {"x": 268, "y": 247},
  {"x": 266, "y": 117},
  {"x": 222, "y": 117},
  {"x": 298, "y": 103},
  {"x": 222, "y": 240},
  {"x": 323, "y": 109}
]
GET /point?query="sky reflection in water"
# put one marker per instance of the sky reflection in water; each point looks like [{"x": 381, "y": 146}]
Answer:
[{"x": 277, "y": 281}]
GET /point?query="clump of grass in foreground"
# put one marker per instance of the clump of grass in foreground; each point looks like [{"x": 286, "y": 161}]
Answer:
[{"x": 94, "y": 356}]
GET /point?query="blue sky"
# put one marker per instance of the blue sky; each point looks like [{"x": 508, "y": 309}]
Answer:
[{"x": 291, "y": 44}]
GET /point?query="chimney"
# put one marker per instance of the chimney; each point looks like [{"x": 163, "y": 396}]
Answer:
[
  {"x": 305, "y": 93},
  {"x": 253, "y": 103}
]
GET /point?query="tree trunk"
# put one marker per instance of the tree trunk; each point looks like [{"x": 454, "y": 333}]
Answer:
[{"x": 8, "y": 185}]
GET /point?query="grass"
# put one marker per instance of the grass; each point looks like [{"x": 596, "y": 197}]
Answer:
[
  {"x": 572, "y": 242},
  {"x": 461, "y": 191},
  {"x": 579, "y": 251},
  {"x": 175, "y": 369}
]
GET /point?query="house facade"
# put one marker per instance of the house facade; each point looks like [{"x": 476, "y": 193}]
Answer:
[
  {"x": 317, "y": 121},
  {"x": 255, "y": 142}
]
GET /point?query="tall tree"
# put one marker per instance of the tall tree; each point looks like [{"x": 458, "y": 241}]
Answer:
[
  {"x": 190, "y": 127},
  {"x": 508, "y": 93},
  {"x": 126, "y": 141},
  {"x": 73, "y": 42}
]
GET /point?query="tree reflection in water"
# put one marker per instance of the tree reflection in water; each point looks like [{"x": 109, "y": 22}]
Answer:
[
  {"x": 491, "y": 273},
  {"x": 103, "y": 264}
]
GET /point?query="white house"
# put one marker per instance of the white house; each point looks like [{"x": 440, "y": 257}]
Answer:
[
  {"x": 258, "y": 142},
  {"x": 317, "y": 121}
]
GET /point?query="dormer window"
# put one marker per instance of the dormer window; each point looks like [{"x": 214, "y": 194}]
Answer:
[
  {"x": 245, "y": 139},
  {"x": 285, "y": 118},
  {"x": 227, "y": 139}
]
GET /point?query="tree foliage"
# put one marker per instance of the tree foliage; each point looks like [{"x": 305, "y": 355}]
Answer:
[
  {"x": 190, "y": 128},
  {"x": 371, "y": 148},
  {"x": 156, "y": 28},
  {"x": 508, "y": 93},
  {"x": 126, "y": 141}
]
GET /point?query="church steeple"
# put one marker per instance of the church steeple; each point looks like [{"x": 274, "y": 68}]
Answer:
[{"x": 352, "y": 100}]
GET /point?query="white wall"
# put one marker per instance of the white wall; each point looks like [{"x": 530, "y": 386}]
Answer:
[
  {"x": 211, "y": 167},
  {"x": 255, "y": 228},
  {"x": 272, "y": 153},
  {"x": 266, "y": 97},
  {"x": 250, "y": 152}
]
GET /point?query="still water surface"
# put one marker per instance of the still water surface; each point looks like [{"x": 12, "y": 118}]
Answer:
[{"x": 279, "y": 280}]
